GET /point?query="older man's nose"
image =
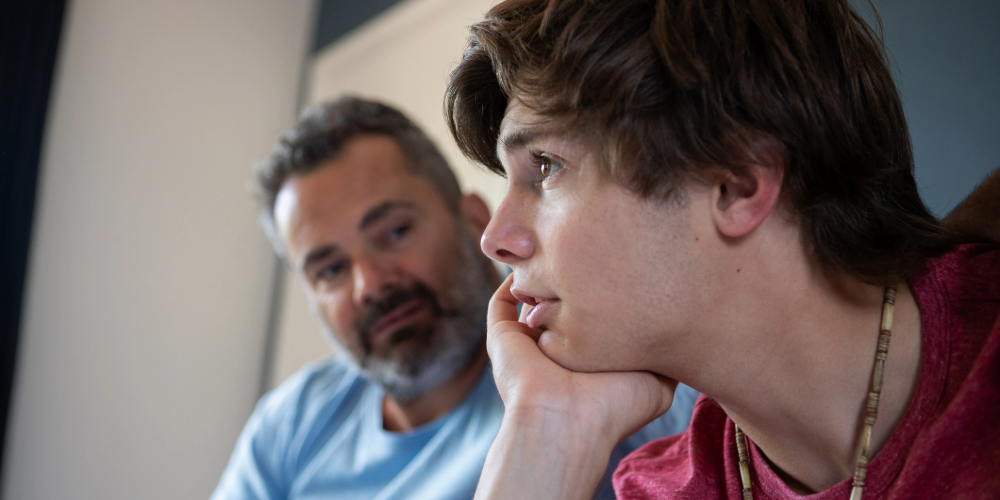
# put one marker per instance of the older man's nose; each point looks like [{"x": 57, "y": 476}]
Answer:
[{"x": 373, "y": 279}]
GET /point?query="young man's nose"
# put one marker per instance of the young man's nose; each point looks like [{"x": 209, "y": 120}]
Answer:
[{"x": 507, "y": 238}]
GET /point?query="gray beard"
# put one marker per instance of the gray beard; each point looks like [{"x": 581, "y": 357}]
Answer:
[{"x": 457, "y": 341}]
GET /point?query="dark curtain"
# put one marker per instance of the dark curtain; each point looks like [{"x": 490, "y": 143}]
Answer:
[{"x": 29, "y": 38}]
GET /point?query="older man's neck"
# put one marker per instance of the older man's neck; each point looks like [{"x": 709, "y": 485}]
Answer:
[{"x": 397, "y": 417}]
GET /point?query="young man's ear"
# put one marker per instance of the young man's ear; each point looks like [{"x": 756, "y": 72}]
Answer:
[
  {"x": 743, "y": 199},
  {"x": 476, "y": 215}
]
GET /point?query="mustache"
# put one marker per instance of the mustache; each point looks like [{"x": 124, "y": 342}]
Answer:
[{"x": 375, "y": 311}]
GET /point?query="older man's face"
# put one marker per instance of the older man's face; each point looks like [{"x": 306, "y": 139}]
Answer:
[{"x": 394, "y": 276}]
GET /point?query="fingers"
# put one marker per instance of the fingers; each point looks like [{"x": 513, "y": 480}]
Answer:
[
  {"x": 525, "y": 309},
  {"x": 657, "y": 394},
  {"x": 637, "y": 397},
  {"x": 666, "y": 387},
  {"x": 503, "y": 305},
  {"x": 502, "y": 315},
  {"x": 513, "y": 346}
]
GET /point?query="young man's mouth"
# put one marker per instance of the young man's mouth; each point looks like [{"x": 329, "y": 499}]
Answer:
[{"x": 541, "y": 307}]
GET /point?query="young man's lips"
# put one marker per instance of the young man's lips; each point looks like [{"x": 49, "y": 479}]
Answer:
[
  {"x": 398, "y": 316},
  {"x": 531, "y": 300},
  {"x": 537, "y": 316},
  {"x": 539, "y": 307}
]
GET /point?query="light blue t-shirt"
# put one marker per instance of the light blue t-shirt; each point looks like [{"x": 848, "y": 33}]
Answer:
[{"x": 320, "y": 435}]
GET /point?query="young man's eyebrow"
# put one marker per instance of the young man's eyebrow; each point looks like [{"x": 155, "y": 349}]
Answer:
[
  {"x": 525, "y": 135},
  {"x": 517, "y": 139},
  {"x": 379, "y": 211}
]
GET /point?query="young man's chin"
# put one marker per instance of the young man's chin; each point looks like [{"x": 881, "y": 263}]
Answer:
[{"x": 572, "y": 356}]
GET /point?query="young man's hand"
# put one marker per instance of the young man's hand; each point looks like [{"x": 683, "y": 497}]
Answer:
[{"x": 559, "y": 426}]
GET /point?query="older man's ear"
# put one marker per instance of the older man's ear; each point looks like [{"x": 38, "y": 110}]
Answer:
[
  {"x": 977, "y": 218},
  {"x": 476, "y": 214}
]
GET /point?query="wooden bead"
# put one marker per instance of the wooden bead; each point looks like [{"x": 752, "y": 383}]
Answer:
[{"x": 741, "y": 449}]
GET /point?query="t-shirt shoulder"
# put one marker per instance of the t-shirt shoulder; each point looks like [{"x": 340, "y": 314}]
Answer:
[
  {"x": 686, "y": 465},
  {"x": 315, "y": 381},
  {"x": 972, "y": 272},
  {"x": 960, "y": 292},
  {"x": 286, "y": 417},
  {"x": 281, "y": 431}
]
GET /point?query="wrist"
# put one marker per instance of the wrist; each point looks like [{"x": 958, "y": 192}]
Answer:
[
  {"x": 579, "y": 428},
  {"x": 542, "y": 453}
]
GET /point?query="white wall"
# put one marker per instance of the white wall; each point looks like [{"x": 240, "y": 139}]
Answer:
[
  {"x": 946, "y": 61},
  {"x": 401, "y": 57},
  {"x": 948, "y": 69},
  {"x": 149, "y": 283}
]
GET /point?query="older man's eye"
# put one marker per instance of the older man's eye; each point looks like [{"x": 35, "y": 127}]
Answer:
[
  {"x": 331, "y": 271},
  {"x": 398, "y": 232}
]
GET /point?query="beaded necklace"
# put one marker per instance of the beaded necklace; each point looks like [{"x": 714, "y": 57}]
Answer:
[{"x": 871, "y": 409}]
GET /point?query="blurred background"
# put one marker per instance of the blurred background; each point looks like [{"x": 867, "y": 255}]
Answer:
[{"x": 143, "y": 311}]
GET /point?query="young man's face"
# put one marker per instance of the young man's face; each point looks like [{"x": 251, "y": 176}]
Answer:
[
  {"x": 392, "y": 273},
  {"x": 615, "y": 278}
]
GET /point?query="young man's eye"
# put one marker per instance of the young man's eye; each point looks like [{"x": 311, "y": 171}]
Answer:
[{"x": 547, "y": 166}]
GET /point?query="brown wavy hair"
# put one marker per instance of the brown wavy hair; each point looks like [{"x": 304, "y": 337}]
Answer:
[{"x": 669, "y": 88}]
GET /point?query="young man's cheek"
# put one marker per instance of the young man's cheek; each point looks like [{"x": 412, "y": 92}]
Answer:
[{"x": 571, "y": 344}]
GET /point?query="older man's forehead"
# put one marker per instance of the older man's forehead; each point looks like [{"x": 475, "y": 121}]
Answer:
[{"x": 347, "y": 195}]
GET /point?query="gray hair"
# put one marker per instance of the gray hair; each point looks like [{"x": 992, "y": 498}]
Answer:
[{"x": 320, "y": 135}]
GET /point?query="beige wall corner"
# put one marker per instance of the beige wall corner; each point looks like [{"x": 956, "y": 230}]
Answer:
[{"x": 149, "y": 282}]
